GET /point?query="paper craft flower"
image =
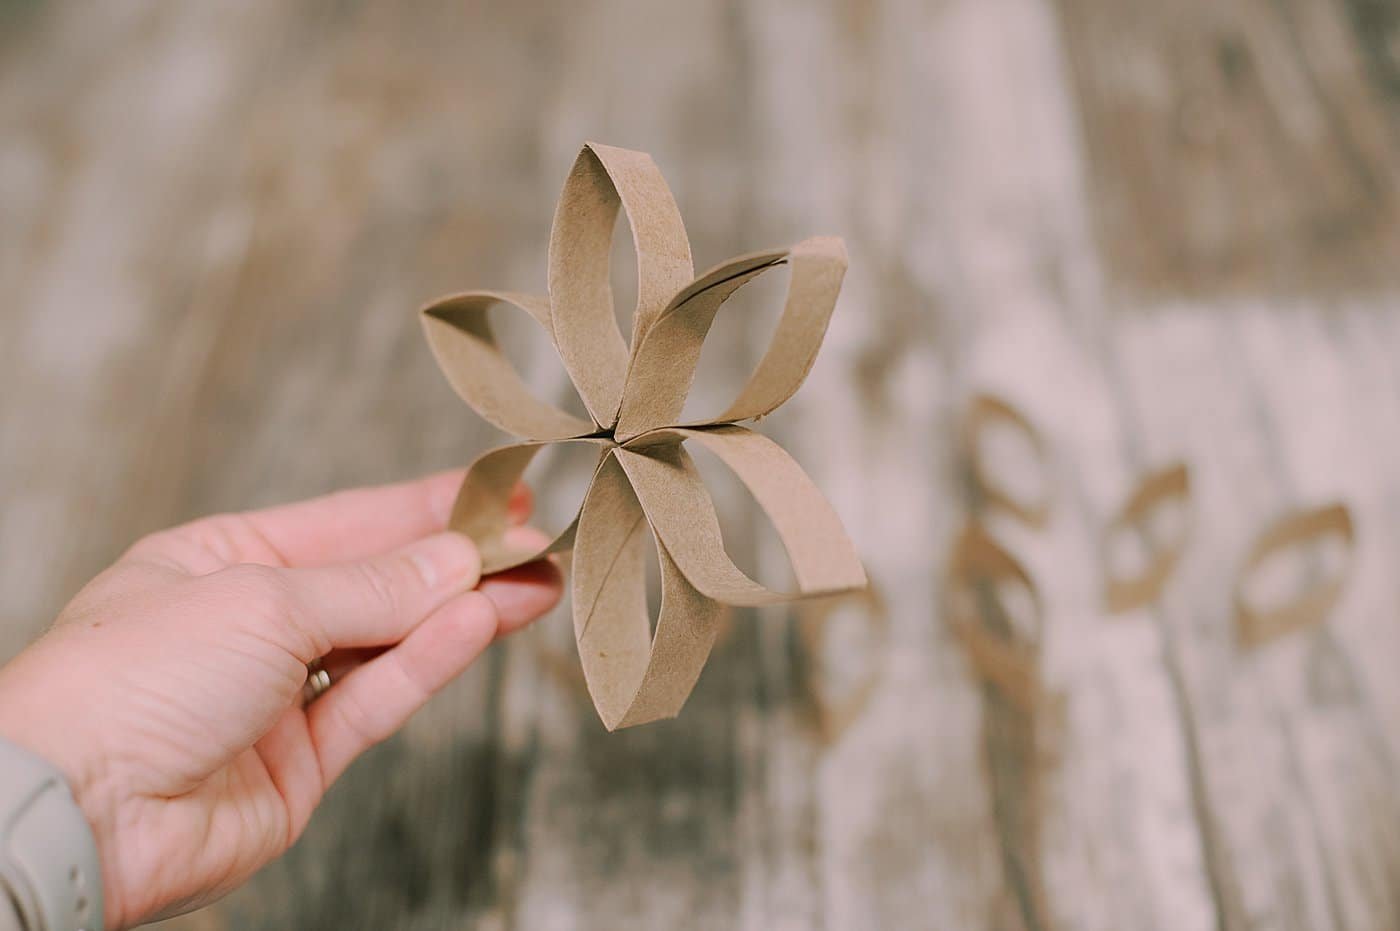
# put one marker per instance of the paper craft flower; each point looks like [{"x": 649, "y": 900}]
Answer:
[{"x": 645, "y": 482}]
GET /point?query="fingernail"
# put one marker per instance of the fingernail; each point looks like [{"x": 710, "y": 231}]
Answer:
[{"x": 447, "y": 560}]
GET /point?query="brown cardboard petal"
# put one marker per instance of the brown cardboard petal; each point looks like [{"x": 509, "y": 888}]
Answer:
[
  {"x": 1256, "y": 625},
  {"x": 580, "y": 243},
  {"x": 663, "y": 363},
  {"x": 633, "y": 676},
  {"x": 482, "y": 508},
  {"x": 977, "y": 566},
  {"x": 1124, "y": 593},
  {"x": 983, "y": 411},
  {"x": 634, "y": 391},
  {"x": 683, "y": 516},
  {"x": 460, "y": 336},
  {"x": 818, "y": 268}
]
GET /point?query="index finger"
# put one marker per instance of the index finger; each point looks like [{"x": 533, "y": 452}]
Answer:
[{"x": 352, "y": 525}]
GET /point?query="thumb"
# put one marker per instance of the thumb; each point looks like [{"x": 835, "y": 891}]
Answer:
[{"x": 380, "y": 600}]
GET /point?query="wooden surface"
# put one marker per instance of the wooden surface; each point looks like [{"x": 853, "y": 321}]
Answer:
[{"x": 1165, "y": 231}]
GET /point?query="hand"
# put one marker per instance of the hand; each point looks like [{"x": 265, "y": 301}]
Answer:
[{"x": 168, "y": 690}]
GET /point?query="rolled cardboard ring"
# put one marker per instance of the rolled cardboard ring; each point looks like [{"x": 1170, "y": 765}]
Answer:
[
  {"x": 1007, "y": 660},
  {"x": 1255, "y": 625},
  {"x": 834, "y": 717},
  {"x": 982, "y": 411},
  {"x": 1156, "y": 490}
]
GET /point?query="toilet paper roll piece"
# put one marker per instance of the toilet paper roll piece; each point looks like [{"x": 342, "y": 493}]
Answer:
[
  {"x": 1170, "y": 486},
  {"x": 1256, "y": 624}
]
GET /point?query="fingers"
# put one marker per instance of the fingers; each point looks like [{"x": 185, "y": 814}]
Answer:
[
  {"x": 337, "y": 528},
  {"x": 350, "y": 525},
  {"x": 522, "y": 594},
  {"x": 378, "y": 601},
  {"x": 374, "y": 700},
  {"x": 361, "y": 522},
  {"x": 374, "y": 602}
]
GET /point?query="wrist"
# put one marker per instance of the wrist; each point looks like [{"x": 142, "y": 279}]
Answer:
[
  {"x": 49, "y": 862},
  {"x": 37, "y": 728}
]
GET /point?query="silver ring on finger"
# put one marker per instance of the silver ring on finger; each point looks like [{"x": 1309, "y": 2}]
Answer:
[{"x": 317, "y": 681}]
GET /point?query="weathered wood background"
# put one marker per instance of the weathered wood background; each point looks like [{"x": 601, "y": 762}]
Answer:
[{"x": 1164, "y": 230}]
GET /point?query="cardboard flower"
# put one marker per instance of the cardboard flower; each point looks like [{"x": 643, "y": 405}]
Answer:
[{"x": 645, "y": 482}]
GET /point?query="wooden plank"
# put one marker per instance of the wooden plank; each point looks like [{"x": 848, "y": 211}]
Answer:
[
  {"x": 1268, "y": 745},
  {"x": 1118, "y": 817},
  {"x": 1329, "y": 428},
  {"x": 1112, "y": 841},
  {"x": 905, "y": 823}
]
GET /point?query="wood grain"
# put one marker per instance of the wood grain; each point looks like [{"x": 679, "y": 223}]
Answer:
[{"x": 1163, "y": 231}]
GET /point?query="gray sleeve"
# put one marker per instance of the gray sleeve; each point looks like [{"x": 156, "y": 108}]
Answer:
[{"x": 50, "y": 876}]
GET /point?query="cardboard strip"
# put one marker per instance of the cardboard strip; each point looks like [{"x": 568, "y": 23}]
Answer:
[
  {"x": 683, "y": 516},
  {"x": 580, "y": 243},
  {"x": 460, "y": 336},
  {"x": 633, "y": 676},
  {"x": 482, "y": 508},
  {"x": 977, "y": 565},
  {"x": 982, "y": 411},
  {"x": 1257, "y": 625},
  {"x": 1124, "y": 593}
]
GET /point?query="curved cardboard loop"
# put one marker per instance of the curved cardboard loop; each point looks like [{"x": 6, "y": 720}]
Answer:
[
  {"x": 1004, "y": 658},
  {"x": 1159, "y": 489},
  {"x": 836, "y": 713},
  {"x": 681, "y": 512},
  {"x": 460, "y": 336},
  {"x": 1255, "y": 624},
  {"x": 663, "y": 361},
  {"x": 983, "y": 411},
  {"x": 633, "y": 676},
  {"x": 580, "y": 243},
  {"x": 481, "y": 510}
]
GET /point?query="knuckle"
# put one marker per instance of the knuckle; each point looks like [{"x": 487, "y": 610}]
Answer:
[
  {"x": 384, "y": 582},
  {"x": 208, "y": 543},
  {"x": 264, "y": 584},
  {"x": 216, "y": 534},
  {"x": 162, "y": 545},
  {"x": 361, "y": 721},
  {"x": 410, "y": 684},
  {"x": 265, "y": 588},
  {"x": 262, "y": 594}
]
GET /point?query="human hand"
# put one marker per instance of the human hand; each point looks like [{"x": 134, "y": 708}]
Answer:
[{"x": 167, "y": 692}]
